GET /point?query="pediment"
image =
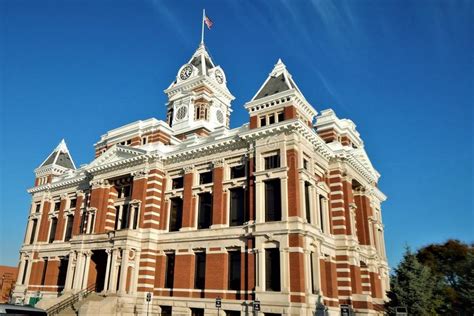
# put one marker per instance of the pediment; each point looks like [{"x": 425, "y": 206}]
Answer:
[
  {"x": 114, "y": 154},
  {"x": 363, "y": 158}
]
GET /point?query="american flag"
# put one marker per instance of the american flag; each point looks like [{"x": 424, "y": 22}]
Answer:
[{"x": 208, "y": 22}]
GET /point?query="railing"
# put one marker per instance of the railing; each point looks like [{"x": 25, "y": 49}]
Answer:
[{"x": 55, "y": 309}]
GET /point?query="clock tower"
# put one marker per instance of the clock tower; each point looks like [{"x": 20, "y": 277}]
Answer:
[{"x": 198, "y": 99}]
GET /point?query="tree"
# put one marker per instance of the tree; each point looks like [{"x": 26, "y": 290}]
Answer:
[
  {"x": 414, "y": 287},
  {"x": 452, "y": 263}
]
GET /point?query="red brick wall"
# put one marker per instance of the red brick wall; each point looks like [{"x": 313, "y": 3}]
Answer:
[
  {"x": 294, "y": 202},
  {"x": 216, "y": 273},
  {"x": 184, "y": 273},
  {"x": 188, "y": 204},
  {"x": 44, "y": 223},
  {"x": 61, "y": 220},
  {"x": 77, "y": 216},
  {"x": 219, "y": 214}
]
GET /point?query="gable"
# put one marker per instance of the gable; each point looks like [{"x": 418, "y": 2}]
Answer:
[{"x": 114, "y": 154}]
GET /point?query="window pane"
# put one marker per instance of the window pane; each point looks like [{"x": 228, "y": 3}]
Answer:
[
  {"x": 54, "y": 222},
  {"x": 307, "y": 201},
  {"x": 205, "y": 177},
  {"x": 177, "y": 183},
  {"x": 237, "y": 172},
  {"x": 237, "y": 207},
  {"x": 272, "y": 269},
  {"x": 234, "y": 270},
  {"x": 272, "y": 162},
  {"x": 205, "y": 210},
  {"x": 200, "y": 270},
  {"x": 272, "y": 200},
  {"x": 169, "y": 280},
  {"x": 176, "y": 212}
]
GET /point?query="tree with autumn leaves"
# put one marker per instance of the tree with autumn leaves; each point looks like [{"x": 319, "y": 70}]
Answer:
[{"x": 436, "y": 280}]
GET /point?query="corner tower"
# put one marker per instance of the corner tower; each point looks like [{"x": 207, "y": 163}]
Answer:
[{"x": 198, "y": 99}]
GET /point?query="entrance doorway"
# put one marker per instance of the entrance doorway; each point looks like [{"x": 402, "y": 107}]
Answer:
[{"x": 97, "y": 269}]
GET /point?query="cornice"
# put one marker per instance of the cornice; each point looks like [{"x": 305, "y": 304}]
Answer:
[{"x": 58, "y": 185}]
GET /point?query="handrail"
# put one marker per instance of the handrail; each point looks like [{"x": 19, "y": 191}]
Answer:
[{"x": 55, "y": 309}]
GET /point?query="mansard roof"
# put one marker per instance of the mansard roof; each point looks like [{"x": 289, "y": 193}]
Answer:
[
  {"x": 278, "y": 80},
  {"x": 59, "y": 157}
]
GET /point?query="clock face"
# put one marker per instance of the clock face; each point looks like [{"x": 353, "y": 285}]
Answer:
[
  {"x": 186, "y": 72},
  {"x": 219, "y": 76}
]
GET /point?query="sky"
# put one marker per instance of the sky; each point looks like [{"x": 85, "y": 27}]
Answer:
[{"x": 401, "y": 70}]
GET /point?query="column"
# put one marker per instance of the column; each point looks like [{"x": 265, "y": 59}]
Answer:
[
  {"x": 70, "y": 271},
  {"x": 260, "y": 269},
  {"x": 112, "y": 287},
  {"x": 259, "y": 202},
  {"x": 85, "y": 275},
  {"x": 284, "y": 269},
  {"x": 123, "y": 271},
  {"x": 21, "y": 269},
  {"x": 136, "y": 270},
  {"x": 78, "y": 272},
  {"x": 107, "y": 270}
]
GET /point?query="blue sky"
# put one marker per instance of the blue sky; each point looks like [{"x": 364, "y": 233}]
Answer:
[{"x": 401, "y": 70}]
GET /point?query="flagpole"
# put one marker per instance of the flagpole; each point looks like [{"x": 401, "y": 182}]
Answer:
[{"x": 202, "y": 29}]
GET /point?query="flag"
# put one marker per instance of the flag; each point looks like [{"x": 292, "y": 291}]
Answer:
[{"x": 208, "y": 22}]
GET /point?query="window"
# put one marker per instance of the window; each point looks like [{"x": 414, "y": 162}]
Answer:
[
  {"x": 272, "y": 161},
  {"x": 72, "y": 203},
  {"x": 63, "y": 263},
  {"x": 232, "y": 313},
  {"x": 237, "y": 172},
  {"x": 23, "y": 278},
  {"x": 263, "y": 121},
  {"x": 176, "y": 212},
  {"x": 197, "y": 311},
  {"x": 43, "y": 275},
  {"x": 144, "y": 140},
  {"x": 237, "y": 207},
  {"x": 311, "y": 266},
  {"x": 305, "y": 164},
  {"x": 234, "y": 270},
  {"x": 272, "y": 269},
  {"x": 272, "y": 200},
  {"x": 57, "y": 206},
  {"x": 37, "y": 207},
  {"x": 166, "y": 310},
  {"x": 122, "y": 216},
  {"x": 281, "y": 116},
  {"x": 271, "y": 119},
  {"x": 70, "y": 220},
  {"x": 205, "y": 210},
  {"x": 200, "y": 270},
  {"x": 33, "y": 231},
  {"x": 123, "y": 191},
  {"x": 307, "y": 201},
  {"x": 177, "y": 183},
  {"x": 205, "y": 177},
  {"x": 52, "y": 232},
  {"x": 169, "y": 279},
  {"x": 321, "y": 212},
  {"x": 201, "y": 111}
]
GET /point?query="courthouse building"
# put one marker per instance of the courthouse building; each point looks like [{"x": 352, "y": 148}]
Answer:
[{"x": 284, "y": 210}]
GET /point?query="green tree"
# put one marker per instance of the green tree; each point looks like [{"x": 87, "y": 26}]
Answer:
[
  {"x": 466, "y": 286},
  {"x": 414, "y": 287},
  {"x": 452, "y": 263}
]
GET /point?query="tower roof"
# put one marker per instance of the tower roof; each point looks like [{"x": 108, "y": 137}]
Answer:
[
  {"x": 278, "y": 80},
  {"x": 60, "y": 157},
  {"x": 202, "y": 60}
]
